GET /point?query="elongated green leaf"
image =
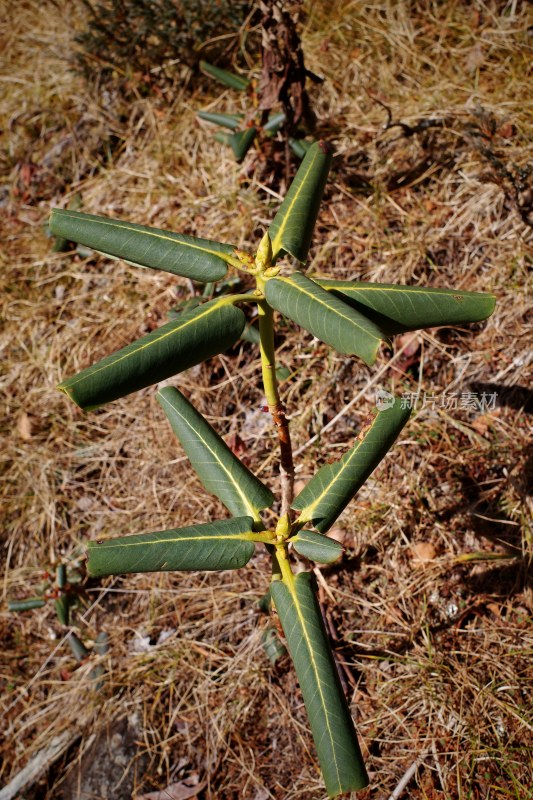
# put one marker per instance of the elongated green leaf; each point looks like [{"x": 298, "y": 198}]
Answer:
[
  {"x": 61, "y": 575},
  {"x": 317, "y": 547},
  {"x": 292, "y": 227},
  {"x": 273, "y": 646},
  {"x": 333, "y": 730},
  {"x": 223, "y": 76},
  {"x": 230, "y": 285},
  {"x": 251, "y": 334},
  {"x": 102, "y": 644},
  {"x": 324, "y": 315},
  {"x": 61, "y": 245},
  {"x": 220, "y": 471},
  {"x": 328, "y": 493},
  {"x": 274, "y": 123},
  {"x": 231, "y": 121},
  {"x": 407, "y": 308},
  {"x": 198, "y": 259},
  {"x": 191, "y": 338},
  {"x": 224, "y": 137},
  {"x": 26, "y": 605},
  {"x": 226, "y": 544},
  {"x": 299, "y": 146},
  {"x": 241, "y": 141},
  {"x": 185, "y": 305},
  {"x": 62, "y": 607},
  {"x": 79, "y": 650}
]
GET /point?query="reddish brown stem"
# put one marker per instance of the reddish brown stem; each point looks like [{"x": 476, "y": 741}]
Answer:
[{"x": 286, "y": 466}]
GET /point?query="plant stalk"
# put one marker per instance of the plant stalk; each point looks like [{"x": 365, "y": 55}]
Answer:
[{"x": 275, "y": 406}]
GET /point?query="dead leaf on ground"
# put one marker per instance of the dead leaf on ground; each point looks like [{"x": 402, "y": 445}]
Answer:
[
  {"x": 24, "y": 427},
  {"x": 410, "y": 342},
  {"x": 483, "y": 423},
  {"x": 507, "y": 130},
  {"x": 475, "y": 58},
  {"x": 424, "y": 552}
]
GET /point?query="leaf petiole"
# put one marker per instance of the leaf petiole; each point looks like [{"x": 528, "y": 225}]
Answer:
[{"x": 234, "y": 299}]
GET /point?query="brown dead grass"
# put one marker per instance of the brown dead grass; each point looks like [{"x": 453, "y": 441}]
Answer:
[{"x": 437, "y": 648}]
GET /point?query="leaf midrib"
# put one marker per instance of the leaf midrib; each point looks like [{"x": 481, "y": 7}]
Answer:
[
  {"x": 253, "y": 511},
  {"x": 81, "y": 377},
  {"x": 342, "y": 287},
  {"x": 291, "y": 586},
  {"x": 125, "y": 226},
  {"x": 277, "y": 243},
  {"x": 247, "y": 536},
  {"x": 331, "y": 308},
  {"x": 308, "y": 510}
]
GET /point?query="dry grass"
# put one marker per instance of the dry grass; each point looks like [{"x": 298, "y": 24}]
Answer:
[{"x": 437, "y": 647}]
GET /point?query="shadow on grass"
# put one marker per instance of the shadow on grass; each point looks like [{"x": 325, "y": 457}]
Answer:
[{"x": 517, "y": 397}]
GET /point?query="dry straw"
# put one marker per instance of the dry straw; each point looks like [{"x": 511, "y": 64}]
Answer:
[{"x": 437, "y": 648}]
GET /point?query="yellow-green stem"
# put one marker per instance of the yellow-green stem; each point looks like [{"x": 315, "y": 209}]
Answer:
[
  {"x": 268, "y": 354},
  {"x": 233, "y": 299},
  {"x": 284, "y": 564}
]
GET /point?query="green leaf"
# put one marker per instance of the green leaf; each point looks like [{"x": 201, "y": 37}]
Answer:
[
  {"x": 228, "y": 286},
  {"x": 264, "y": 603},
  {"x": 324, "y": 315},
  {"x": 292, "y": 227},
  {"x": 299, "y": 147},
  {"x": 223, "y": 137},
  {"x": 101, "y": 644},
  {"x": 241, "y": 141},
  {"x": 199, "y": 259},
  {"x": 79, "y": 650},
  {"x": 226, "y": 544},
  {"x": 61, "y": 575},
  {"x": 231, "y": 121},
  {"x": 185, "y": 305},
  {"x": 191, "y": 338},
  {"x": 274, "y": 123},
  {"x": 26, "y": 605},
  {"x": 251, "y": 334},
  {"x": 282, "y": 374},
  {"x": 333, "y": 730},
  {"x": 62, "y": 245},
  {"x": 220, "y": 471},
  {"x": 328, "y": 493},
  {"x": 407, "y": 308},
  {"x": 273, "y": 646},
  {"x": 317, "y": 547},
  {"x": 223, "y": 76},
  {"x": 62, "y": 607}
]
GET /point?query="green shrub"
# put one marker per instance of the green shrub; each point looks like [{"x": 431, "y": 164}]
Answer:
[{"x": 353, "y": 318}]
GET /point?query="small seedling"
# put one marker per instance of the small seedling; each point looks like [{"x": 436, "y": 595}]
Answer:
[
  {"x": 353, "y": 318},
  {"x": 64, "y": 588},
  {"x": 245, "y": 129},
  {"x": 59, "y": 587}
]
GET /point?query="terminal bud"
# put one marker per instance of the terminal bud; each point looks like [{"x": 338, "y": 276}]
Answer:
[{"x": 263, "y": 257}]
